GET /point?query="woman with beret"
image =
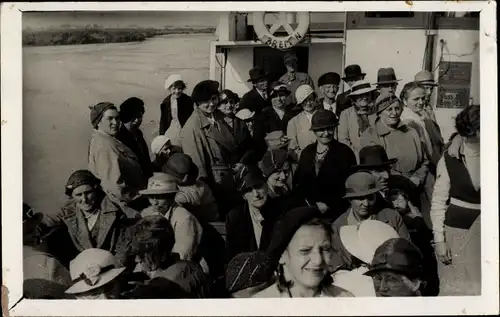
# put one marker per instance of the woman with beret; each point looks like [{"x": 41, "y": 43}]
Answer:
[
  {"x": 88, "y": 219},
  {"x": 301, "y": 251},
  {"x": 114, "y": 163},
  {"x": 131, "y": 114},
  {"x": 456, "y": 209}
]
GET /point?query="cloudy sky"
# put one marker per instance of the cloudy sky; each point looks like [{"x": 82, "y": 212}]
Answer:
[{"x": 59, "y": 20}]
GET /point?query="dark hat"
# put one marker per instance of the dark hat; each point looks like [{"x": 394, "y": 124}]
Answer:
[
  {"x": 97, "y": 111},
  {"x": 204, "y": 90},
  {"x": 399, "y": 255},
  {"x": 131, "y": 108},
  {"x": 373, "y": 156},
  {"x": 179, "y": 165},
  {"x": 277, "y": 87},
  {"x": 323, "y": 119},
  {"x": 249, "y": 177},
  {"x": 352, "y": 71},
  {"x": 79, "y": 178},
  {"x": 227, "y": 94},
  {"x": 272, "y": 161},
  {"x": 256, "y": 74},
  {"x": 384, "y": 100},
  {"x": 361, "y": 184},
  {"x": 285, "y": 229},
  {"x": 289, "y": 57},
  {"x": 386, "y": 76},
  {"x": 329, "y": 79},
  {"x": 248, "y": 269}
]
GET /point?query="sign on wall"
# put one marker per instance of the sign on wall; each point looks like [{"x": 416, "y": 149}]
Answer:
[{"x": 454, "y": 85}]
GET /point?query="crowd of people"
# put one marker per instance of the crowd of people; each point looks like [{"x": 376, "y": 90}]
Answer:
[{"x": 279, "y": 193}]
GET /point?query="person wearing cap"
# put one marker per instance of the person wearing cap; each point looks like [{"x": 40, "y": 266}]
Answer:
[
  {"x": 248, "y": 117},
  {"x": 324, "y": 167},
  {"x": 361, "y": 191},
  {"x": 247, "y": 274},
  {"x": 355, "y": 120},
  {"x": 44, "y": 276},
  {"x": 387, "y": 82},
  {"x": 249, "y": 225},
  {"x": 176, "y": 108},
  {"x": 114, "y": 163},
  {"x": 161, "y": 192},
  {"x": 328, "y": 83},
  {"x": 257, "y": 98},
  {"x": 87, "y": 219},
  {"x": 426, "y": 79},
  {"x": 131, "y": 114},
  {"x": 353, "y": 73},
  {"x": 273, "y": 118},
  {"x": 456, "y": 210},
  {"x": 152, "y": 248},
  {"x": 361, "y": 242},
  {"x": 211, "y": 145},
  {"x": 396, "y": 269},
  {"x": 299, "y": 127},
  {"x": 293, "y": 79},
  {"x": 162, "y": 149},
  {"x": 399, "y": 140},
  {"x": 301, "y": 253},
  {"x": 95, "y": 275}
]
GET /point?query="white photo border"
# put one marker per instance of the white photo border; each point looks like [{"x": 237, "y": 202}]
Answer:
[{"x": 11, "y": 137}]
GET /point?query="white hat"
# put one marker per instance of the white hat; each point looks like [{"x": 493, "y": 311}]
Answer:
[
  {"x": 302, "y": 93},
  {"x": 158, "y": 143},
  {"x": 91, "y": 269},
  {"x": 160, "y": 183},
  {"x": 245, "y": 114},
  {"x": 361, "y": 87},
  {"x": 363, "y": 240},
  {"x": 171, "y": 80}
]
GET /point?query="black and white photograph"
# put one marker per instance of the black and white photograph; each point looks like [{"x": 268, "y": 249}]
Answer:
[{"x": 235, "y": 152}]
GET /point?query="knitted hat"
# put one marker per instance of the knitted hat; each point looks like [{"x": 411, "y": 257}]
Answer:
[
  {"x": 322, "y": 119},
  {"x": 204, "y": 90},
  {"x": 131, "y": 108},
  {"x": 179, "y": 165},
  {"x": 97, "y": 111},
  {"x": 246, "y": 270},
  {"x": 273, "y": 161},
  {"x": 79, "y": 178},
  {"x": 329, "y": 79}
]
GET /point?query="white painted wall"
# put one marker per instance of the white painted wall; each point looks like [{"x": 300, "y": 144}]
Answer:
[{"x": 323, "y": 58}]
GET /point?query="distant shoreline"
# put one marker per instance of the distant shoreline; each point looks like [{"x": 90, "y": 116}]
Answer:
[{"x": 101, "y": 35}]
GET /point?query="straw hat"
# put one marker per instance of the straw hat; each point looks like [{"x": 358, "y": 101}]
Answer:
[
  {"x": 158, "y": 143},
  {"x": 361, "y": 87},
  {"x": 302, "y": 93},
  {"x": 160, "y": 183},
  {"x": 91, "y": 269},
  {"x": 362, "y": 241},
  {"x": 245, "y": 114}
]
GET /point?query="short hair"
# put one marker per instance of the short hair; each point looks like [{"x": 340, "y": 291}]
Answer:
[
  {"x": 408, "y": 88},
  {"x": 468, "y": 121},
  {"x": 153, "y": 235}
]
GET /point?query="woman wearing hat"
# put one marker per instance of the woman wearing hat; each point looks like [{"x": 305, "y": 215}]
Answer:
[
  {"x": 209, "y": 142},
  {"x": 95, "y": 275},
  {"x": 114, "y": 163},
  {"x": 88, "y": 219},
  {"x": 301, "y": 252},
  {"x": 299, "y": 127},
  {"x": 456, "y": 209},
  {"x": 273, "y": 118},
  {"x": 399, "y": 140},
  {"x": 355, "y": 120},
  {"x": 175, "y": 109},
  {"x": 131, "y": 114},
  {"x": 44, "y": 276},
  {"x": 324, "y": 167},
  {"x": 161, "y": 192},
  {"x": 256, "y": 99}
]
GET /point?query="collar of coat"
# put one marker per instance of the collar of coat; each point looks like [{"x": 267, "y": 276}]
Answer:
[
  {"x": 205, "y": 122},
  {"x": 383, "y": 129}
]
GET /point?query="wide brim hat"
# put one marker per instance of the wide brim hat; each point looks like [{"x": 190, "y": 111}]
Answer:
[
  {"x": 387, "y": 76},
  {"x": 245, "y": 114},
  {"x": 159, "y": 184},
  {"x": 256, "y": 74},
  {"x": 106, "y": 277},
  {"x": 159, "y": 142},
  {"x": 302, "y": 93},
  {"x": 361, "y": 87},
  {"x": 363, "y": 240},
  {"x": 361, "y": 183},
  {"x": 352, "y": 71},
  {"x": 323, "y": 119}
]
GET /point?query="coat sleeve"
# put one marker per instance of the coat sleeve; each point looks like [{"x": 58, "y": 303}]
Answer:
[
  {"x": 343, "y": 129},
  {"x": 188, "y": 233},
  {"x": 163, "y": 117},
  {"x": 192, "y": 145}
]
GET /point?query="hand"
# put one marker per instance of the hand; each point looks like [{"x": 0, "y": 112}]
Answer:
[
  {"x": 322, "y": 207},
  {"x": 443, "y": 252}
]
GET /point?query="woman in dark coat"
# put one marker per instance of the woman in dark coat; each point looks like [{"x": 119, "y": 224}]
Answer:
[
  {"x": 324, "y": 167},
  {"x": 177, "y": 107}
]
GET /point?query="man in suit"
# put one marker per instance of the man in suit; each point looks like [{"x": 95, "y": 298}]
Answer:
[
  {"x": 257, "y": 98},
  {"x": 353, "y": 73},
  {"x": 293, "y": 78}
]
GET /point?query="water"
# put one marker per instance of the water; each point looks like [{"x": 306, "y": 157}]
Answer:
[{"x": 61, "y": 82}]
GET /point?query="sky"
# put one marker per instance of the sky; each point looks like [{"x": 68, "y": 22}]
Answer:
[{"x": 142, "y": 19}]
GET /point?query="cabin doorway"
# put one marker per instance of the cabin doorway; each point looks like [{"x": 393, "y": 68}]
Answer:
[{"x": 271, "y": 60}]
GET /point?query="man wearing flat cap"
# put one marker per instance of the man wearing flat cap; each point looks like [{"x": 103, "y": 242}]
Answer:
[
  {"x": 256, "y": 99},
  {"x": 293, "y": 79}
]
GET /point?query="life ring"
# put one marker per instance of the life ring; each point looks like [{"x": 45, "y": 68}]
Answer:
[{"x": 294, "y": 37}]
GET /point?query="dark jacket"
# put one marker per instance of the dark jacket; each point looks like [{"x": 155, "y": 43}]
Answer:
[
  {"x": 268, "y": 121},
  {"x": 71, "y": 236},
  {"x": 245, "y": 152},
  {"x": 139, "y": 146},
  {"x": 253, "y": 101},
  {"x": 185, "y": 109},
  {"x": 329, "y": 185}
]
